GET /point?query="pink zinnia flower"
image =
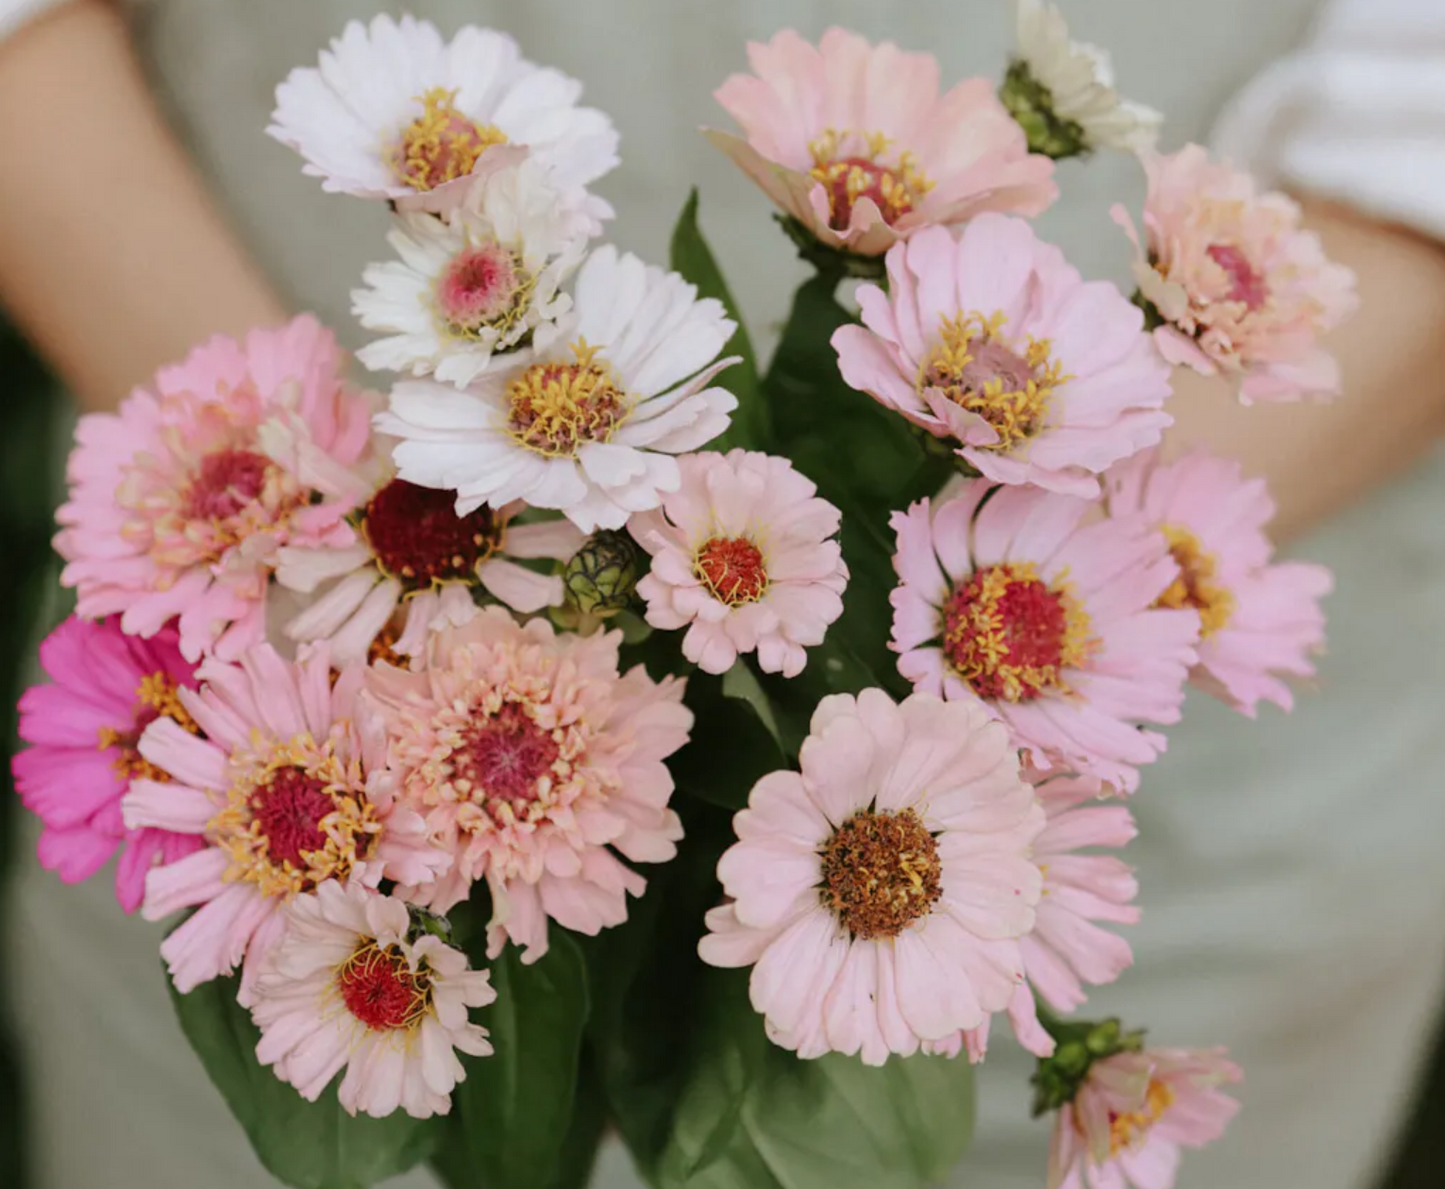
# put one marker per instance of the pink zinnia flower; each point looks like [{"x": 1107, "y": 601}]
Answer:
[
  {"x": 1133, "y": 1114},
  {"x": 179, "y": 502},
  {"x": 1259, "y": 620},
  {"x": 345, "y": 988},
  {"x": 995, "y": 342},
  {"x": 879, "y": 893},
  {"x": 105, "y": 689},
  {"x": 414, "y": 552},
  {"x": 855, "y": 142},
  {"x": 276, "y": 789},
  {"x": 1047, "y": 615},
  {"x": 741, "y": 558},
  {"x": 1241, "y": 289},
  {"x": 532, "y": 761}
]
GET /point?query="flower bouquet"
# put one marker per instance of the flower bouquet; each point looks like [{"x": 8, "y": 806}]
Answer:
[{"x": 602, "y": 731}]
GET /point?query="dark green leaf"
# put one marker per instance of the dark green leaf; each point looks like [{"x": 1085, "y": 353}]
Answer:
[
  {"x": 303, "y": 1144},
  {"x": 734, "y": 740}
]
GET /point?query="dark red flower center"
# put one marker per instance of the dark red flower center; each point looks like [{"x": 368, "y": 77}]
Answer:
[
  {"x": 287, "y": 810},
  {"x": 226, "y": 482},
  {"x": 418, "y": 537},
  {"x": 505, "y": 756},
  {"x": 733, "y": 569},
  {"x": 1247, "y": 285},
  {"x": 380, "y": 990}
]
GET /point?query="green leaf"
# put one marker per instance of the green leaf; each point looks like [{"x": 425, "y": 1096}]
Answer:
[
  {"x": 692, "y": 257},
  {"x": 302, "y": 1144},
  {"x": 508, "y": 1115},
  {"x": 734, "y": 741}
]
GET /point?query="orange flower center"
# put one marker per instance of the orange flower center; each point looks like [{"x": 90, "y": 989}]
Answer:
[
  {"x": 441, "y": 144},
  {"x": 557, "y": 407},
  {"x": 418, "y": 537},
  {"x": 156, "y": 698},
  {"x": 854, "y": 165},
  {"x": 1195, "y": 587},
  {"x": 733, "y": 569},
  {"x": 1126, "y": 1130},
  {"x": 381, "y": 990},
  {"x": 881, "y": 873}
]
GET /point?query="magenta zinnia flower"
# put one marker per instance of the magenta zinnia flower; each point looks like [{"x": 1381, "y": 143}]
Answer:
[
  {"x": 854, "y": 141},
  {"x": 741, "y": 557},
  {"x": 995, "y": 343},
  {"x": 1049, "y": 617},
  {"x": 879, "y": 893},
  {"x": 277, "y": 791},
  {"x": 105, "y": 689},
  {"x": 532, "y": 761},
  {"x": 1260, "y": 621},
  {"x": 179, "y": 502}
]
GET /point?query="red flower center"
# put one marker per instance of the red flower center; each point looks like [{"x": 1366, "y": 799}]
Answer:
[
  {"x": 1245, "y": 283},
  {"x": 287, "y": 811},
  {"x": 227, "y": 482},
  {"x": 733, "y": 569},
  {"x": 380, "y": 990},
  {"x": 505, "y": 756},
  {"x": 418, "y": 537},
  {"x": 856, "y": 165},
  {"x": 479, "y": 287}
]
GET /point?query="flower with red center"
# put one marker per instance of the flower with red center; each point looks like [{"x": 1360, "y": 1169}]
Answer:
[
  {"x": 1049, "y": 613},
  {"x": 880, "y": 892},
  {"x": 394, "y": 111},
  {"x": 481, "y": 282},
  {"x": 81, "y": 728},
  {"x": 1133, "y": 1114},
  {"x": 417, "y": 563},
  {"x": 590, "y": 428},
  {"x": 995, "y": 344},
  {"x": 351, "y": 985},
  {"x": 854, "y": 142},
  {"x": 179, "y": 502},
  {"x": 1240, "y": 289},
  {"x": 276, "y": 791},
  {"x": 532, "y": 761},
  {"x": 1260, "y": 619},
  {"x": 742, "y": 557}
]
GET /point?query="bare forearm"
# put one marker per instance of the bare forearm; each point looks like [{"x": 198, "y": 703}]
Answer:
[
  {"x": 1319, "y": 458},
  {"x": 112, "y": 258}
]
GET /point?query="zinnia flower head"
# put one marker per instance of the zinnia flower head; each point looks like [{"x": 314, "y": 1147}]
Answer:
[
  {"x": 741, "y": 557},
  {"x": 532, "y": 760},
  {"x": 483, "y": 281},
  {"x": 394, "y": 111},
  {"x": 351, "y": 986},
  {"x": 854, "y": 141},
  {"x": 995, "y": 343},
  {"x": 179, "y": 502},
  {"x": 82, "y": 728},
  {"x": 589, "y": 427},
  {"x": 1260, "y": 621},
  {"x": 276, "y": 789},
  {"x": 880, "y": 892},
  {"x": 1134, "y": 1113},
  {"x": 1241, "y": 289},
  {"x": 416, "y": 562},
  {"x": 1048, "y": 613}
]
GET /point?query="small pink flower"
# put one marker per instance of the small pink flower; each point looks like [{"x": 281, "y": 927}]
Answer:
[
  {"x": 1133, "y": 1114},
  {"x": 995, "y": 342},
  {"x": 1017, "y": 596},
  {"x": 414, "y": 552},
  {"x": 880, "y": 893},
  {"x": 741, "y": 558},
  {"x": 345, "y": 988},
  {"x": 1259, "y": 621},
  {"x": 179, "y": 502},
  {"x": 532, "y": 760},
  {"x": 855, "y": 142},
  {"x": 1241, "y": 289},
  {"x": 277, "y": 791},
  {"x": 105, "y": 689}
]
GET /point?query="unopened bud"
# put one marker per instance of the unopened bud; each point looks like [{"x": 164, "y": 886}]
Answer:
[{"x": 602, "y": 575}]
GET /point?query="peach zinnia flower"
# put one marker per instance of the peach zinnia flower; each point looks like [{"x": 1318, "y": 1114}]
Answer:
[
  {"x": 532, "y": 761},
  {"x": 1260, "y": 621},
  {"x": 1135, "y": 1112},
  {"x": 1050, "y": 619},
  {"x": 345, "y": 988},
  {"x": 1241, "y": 289},
  {"x": 855, "y": 143},
  {"x": 276, "y": 789},
  {"x": 879, "y": 893},
  {"x": 996, "y": 344},
  {"x": 741, "y": 558},
  {"x": 179, "y": 502}
]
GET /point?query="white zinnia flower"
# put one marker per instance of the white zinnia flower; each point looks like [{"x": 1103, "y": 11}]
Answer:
[
  {"x": 482, "y": 280},
  {"x": 1080, "y": 80},
  {"x": 588, "y": 427}
]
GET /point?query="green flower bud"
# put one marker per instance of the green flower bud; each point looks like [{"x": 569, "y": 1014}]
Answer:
[
  {"x": 603, "y": 574},
  {"x": 1079, "y": 1044},
  {"x": 1032, "y": 105}
]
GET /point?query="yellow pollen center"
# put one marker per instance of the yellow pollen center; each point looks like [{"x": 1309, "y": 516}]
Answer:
[
  {"x": 1127, "y": 1129},
  {"x": 441, "y": 144},
  {"x": 856, "y": 165},
  {"x": 1195, "y": 588},
  {"x": 557, "y": 407},
  {"x": 156, "y": 698},
  {"x": 1007, "y": 382}
]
